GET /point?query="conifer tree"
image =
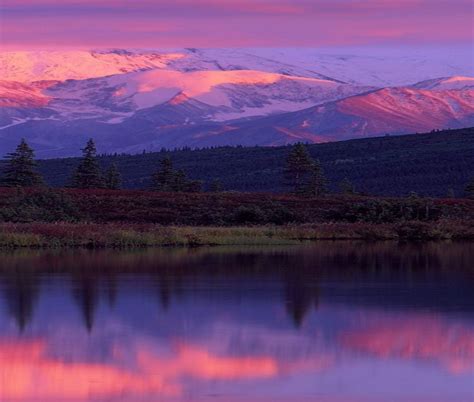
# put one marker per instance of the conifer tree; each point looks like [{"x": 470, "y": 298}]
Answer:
[
  {"x": 347, "y": 187},
  {"x": 164, "y": 178},
  {"x": 317, "y": 181},
  {"x": 216, "y": 186},
  {"x": 168, "y": 179},
  {"x": 299, "y": 166},
  {"x": 193, "y": 186},
  {"x": 469, "y": 190},
  {"x": 21, "y": 168},
  {"x": 179, "y": 181},
  {"x": 87, "y": 173},
  {"x": 113, "y": 178},
  {"x": 451, "y": 193}
]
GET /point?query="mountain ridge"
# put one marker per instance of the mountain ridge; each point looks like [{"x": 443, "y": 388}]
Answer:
[
  {"x": 345, "y": 66},
  {"x": 207, "y": 97}
]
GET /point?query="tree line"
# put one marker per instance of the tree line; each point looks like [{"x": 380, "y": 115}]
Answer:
[
  {"x": 21, "y": 171},
  {"x": 302, "y": 175}
]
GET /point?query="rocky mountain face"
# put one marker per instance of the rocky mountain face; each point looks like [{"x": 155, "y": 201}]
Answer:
[{"x": 131, "y": 101}]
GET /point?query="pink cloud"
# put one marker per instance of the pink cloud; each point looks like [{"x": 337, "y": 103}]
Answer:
[{"x": 217, "y": 23}]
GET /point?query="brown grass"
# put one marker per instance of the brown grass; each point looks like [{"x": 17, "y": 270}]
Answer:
[{"x": 84, "y": 235}]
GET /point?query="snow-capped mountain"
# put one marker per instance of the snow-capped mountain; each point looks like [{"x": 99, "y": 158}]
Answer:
[
  {"x": 26, "y": 66},
  {"x": 347, "y": 66},
  {"x": 446, "y": 84},
  {"x": 134, "y": 100},
  {"x": 398, "y": 110},
  {"x": 225, "y": 95}
]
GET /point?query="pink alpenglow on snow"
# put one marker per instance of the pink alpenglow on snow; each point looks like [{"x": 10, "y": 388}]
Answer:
[{"x": 148, "y": 74}]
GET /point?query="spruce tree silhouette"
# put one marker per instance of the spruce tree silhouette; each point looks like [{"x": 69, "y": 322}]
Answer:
[
  {"x": 300, "y": 295},
  {"x": 113, "y": 178},
  {"x": 298, "y": 168},
  {"x": 86, "y": 295},
  {"x": 20, "y": 170},
  {"x": 21, "y": 293},
  {"x": 87, "y": 174}
]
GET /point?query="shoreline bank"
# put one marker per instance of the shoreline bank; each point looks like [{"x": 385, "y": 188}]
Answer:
[{"x": 129, "y": 236}]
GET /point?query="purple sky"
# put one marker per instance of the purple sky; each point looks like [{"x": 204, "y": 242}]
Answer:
[{"x": 227, "y": 23}]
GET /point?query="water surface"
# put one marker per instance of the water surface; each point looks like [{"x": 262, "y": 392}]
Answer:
[{"x": 330, "y": 322}]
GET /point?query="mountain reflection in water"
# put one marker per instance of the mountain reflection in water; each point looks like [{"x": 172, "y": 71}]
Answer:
[{"x": 335, "y": 321}]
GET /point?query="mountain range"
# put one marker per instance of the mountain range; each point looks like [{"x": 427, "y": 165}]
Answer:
[{"x": 135, "y": 100}]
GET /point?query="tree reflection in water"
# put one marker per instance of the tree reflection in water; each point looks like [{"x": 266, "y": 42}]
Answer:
[{"x": 286, "y": 322}]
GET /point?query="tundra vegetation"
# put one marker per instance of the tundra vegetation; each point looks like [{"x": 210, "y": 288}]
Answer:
[{"x": 94, "y": 212}]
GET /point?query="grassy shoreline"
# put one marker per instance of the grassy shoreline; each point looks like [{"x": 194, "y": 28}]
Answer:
[
  {"x": 49, "y": 218},
  {"x": 126, "y": 236}
]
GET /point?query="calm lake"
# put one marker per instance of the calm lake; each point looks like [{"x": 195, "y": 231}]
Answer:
[{"x": 329, "y": 322}]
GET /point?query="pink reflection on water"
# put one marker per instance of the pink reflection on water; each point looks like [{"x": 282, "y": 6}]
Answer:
[
  {"x": 29, "y": 372},
  {"x": 422, "y": 338}
]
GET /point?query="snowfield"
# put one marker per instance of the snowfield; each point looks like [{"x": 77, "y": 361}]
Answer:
[{"x": 130, "y": 100}]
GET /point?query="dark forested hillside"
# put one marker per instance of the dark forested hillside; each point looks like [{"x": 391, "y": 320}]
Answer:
[{"x": 429, "y": 164}]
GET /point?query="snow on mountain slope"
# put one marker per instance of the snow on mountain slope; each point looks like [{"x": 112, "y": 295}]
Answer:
[
  {"x": 183, "y": 121},
  {"x": 446, "y": 84},
  {"x": 404, "y": 110},
  {"x": 17, "y": 94},
  {"x": 135, "y": 100},
  {"x": 239, "y": 93},
  {"x": 380, "y": 67},
  {"x": 28, "y": 66},
  {"x": 381, "y": 112},
  {"x": 241, "y": 59},
  {"x": 227, "y": 94},
  {"x": 344, "y": 65}
]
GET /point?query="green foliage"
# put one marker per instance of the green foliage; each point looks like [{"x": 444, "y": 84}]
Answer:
[
  {"x": 113, "y": 178},
  {"x": 346, "y": 187},
  {"x": 391, "y": 166},
  {"x": 164, "y": 178},
  {"x": 387, "y": 211},
  {"x": 272, "y": 213},
  {"x": 216, "y": 186},
  {"x": 179, "y": 181},
  {"x": 125, "y": 218},
  {"x": 44, "y": 205},
  {"x": 87, "y": 174},
  {"x": 317, "y": 181},
  {"x": 281, "y": 215},
  {"x": 418, "y": 231},
  {"x": 168, "y": 180},
  {"x": 20, "y": 170},
  {"x": 298, "y": 169},
  {"x": 193, "y": 186},
  {"x": 223, "y": 209},
  {"x": 249, "y": 215},
  {"x": 469, "y": 190}
]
